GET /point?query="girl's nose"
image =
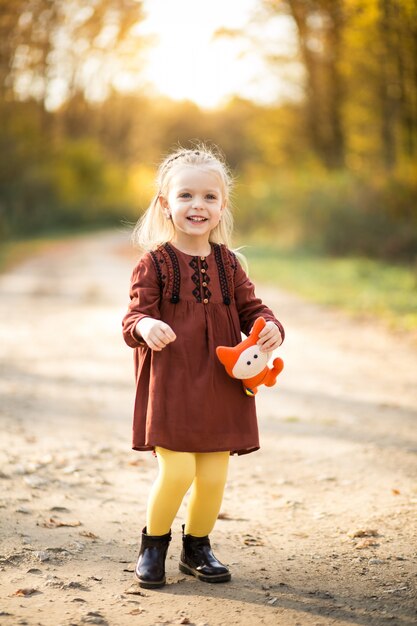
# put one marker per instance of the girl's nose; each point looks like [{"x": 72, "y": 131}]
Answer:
[{"x": 197, "y": 202}]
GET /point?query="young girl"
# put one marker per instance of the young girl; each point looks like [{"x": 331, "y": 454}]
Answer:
[{"x": 189, "y": 294}]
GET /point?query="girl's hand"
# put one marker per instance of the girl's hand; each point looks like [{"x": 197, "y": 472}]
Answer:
[
  {"x": 155, "y": 333},
  {"x": 269, "y": 337}
]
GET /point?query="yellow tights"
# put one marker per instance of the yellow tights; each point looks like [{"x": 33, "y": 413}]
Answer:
[{"x": 206, "y": 471}]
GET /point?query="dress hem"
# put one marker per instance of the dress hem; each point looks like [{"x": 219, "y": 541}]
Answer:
[{"x": 238, "y": 452}]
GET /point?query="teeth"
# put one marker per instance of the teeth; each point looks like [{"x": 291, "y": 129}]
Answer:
[{"x": 197, "y": 219}]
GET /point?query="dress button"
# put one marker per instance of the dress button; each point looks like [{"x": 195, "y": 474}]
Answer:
[
  {"x": 203, "y": 271},
  {"x": 203, "y": 258},
  {"x": 204, "y": 284},
  {"x": 205, "y": 301}
]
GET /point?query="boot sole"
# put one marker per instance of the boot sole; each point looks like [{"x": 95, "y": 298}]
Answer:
[
  {"x": 216, "y": 578},
  {"x": 146, "y": 584}
]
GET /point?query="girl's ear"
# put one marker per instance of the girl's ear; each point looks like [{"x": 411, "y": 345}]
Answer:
[{"x": 163, "y": 203}]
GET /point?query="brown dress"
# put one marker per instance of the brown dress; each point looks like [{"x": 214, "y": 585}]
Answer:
[{"x": 185, "y": 400}]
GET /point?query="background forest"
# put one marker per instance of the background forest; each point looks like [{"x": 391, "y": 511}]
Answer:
[{"x": 332, "y": 170}]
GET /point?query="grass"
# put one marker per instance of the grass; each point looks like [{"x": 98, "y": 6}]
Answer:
[{"x": 359, "y": 286}]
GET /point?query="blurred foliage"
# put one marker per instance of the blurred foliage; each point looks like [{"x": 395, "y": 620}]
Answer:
[
  {"x": 333, "y": 172},
  {"x": 360, "y": 88},
  {"x": 337, "y": 212}
]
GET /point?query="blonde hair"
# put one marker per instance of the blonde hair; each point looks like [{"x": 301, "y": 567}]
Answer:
[{"x": 153, "y": 228}]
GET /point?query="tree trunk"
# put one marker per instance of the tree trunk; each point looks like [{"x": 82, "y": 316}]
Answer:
[{"x": 324, "y": 84}]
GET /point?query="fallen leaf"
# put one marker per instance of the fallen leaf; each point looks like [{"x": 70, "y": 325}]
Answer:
[
  {"x": 366, "y": 543},
  {"x": 77, "y": 546},
  {"x": 224, "y": 516},
  {"x": 292, "y": 504},
  {"x": 326, "y": 478},
  {"x": 70, "y": 469},
  {"x": 136, "y": 462},
  {"x": 134, "y": 589},
  {"x": 58, "y": 584},
  {"x": 74, "y": 584},
  {"x": 135, "y": 612},
  {"x": 88, "y": 533},
  {"x": 59, "y": 550},
  {"x": 52, "y": 522},
  {"x": 250, "y": 540},
  {"x": 36, "y": 482},
  {"x": 363, "y": 532},
  {"x": 94, "y": 617},
  {"x": 395, "y": 589},
  {"x": 395, "y": 492},
  {"x": 27, "y": 591}
]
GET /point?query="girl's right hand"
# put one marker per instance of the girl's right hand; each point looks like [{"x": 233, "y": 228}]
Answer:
[{"x": 155, "y": 333}]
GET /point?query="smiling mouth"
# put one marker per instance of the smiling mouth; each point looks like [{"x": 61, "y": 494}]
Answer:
[{"x": 193, "y": 218}]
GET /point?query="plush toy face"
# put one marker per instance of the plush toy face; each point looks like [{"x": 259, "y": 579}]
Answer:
[
  {"x": 249, "y": 362},
  {"x": 245, "y": 360}
]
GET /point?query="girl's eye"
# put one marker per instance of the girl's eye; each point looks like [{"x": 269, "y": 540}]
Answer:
[
  {"x": 211, "y": 196},
  {"x": 185, "y": 195}
]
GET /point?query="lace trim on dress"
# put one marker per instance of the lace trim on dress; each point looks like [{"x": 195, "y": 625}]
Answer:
[
  {"x": 176, "y": 277},
  {"x": 173, "y": 273},
  {"x": 157, "y": 263},
  {"x": 224, "y": 283}
]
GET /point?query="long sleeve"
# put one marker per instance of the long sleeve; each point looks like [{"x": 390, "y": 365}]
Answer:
[
  {"x": 144, "y": 299},
  {"x": 249, "y": 306}
]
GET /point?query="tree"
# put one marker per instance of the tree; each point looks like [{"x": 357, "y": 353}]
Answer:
[
  {"x": 320, "y": 26},
  {"x": 52, "y": 48},
  {"x": 360, "y": 62}
]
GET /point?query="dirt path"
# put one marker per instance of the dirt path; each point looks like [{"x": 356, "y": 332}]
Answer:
[{"x": 319, "y": 527}]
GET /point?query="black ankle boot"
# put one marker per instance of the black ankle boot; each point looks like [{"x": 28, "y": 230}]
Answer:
[
  {"x": 150, "y": 568},
  {"x": 197, "y": 559}
]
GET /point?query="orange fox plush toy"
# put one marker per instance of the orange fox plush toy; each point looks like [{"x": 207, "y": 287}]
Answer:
[{"x": 246, "y": 362}]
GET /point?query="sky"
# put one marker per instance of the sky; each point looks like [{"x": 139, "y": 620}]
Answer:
[
  {"x": 183, "y": 59},
  {"x": 188, "y": 62}
]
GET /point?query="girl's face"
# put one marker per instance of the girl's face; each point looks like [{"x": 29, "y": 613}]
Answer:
[{"x": 195, "y": 202}]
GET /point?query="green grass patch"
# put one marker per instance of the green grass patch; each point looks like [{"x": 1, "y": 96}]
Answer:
[{"x": 359, "y": 286}]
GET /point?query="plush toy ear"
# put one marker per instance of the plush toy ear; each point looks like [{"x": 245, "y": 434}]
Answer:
[
  {"x": 227, "y": 357},
  {"x": 257, "y": 327}
]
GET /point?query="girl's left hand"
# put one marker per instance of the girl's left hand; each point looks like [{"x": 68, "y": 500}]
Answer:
[{"x": 269, "y": 337}]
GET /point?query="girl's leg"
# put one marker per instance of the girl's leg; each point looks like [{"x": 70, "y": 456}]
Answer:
[
  {"x": 176, "y": 473},
  {"x": 207, "y": 492}
]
